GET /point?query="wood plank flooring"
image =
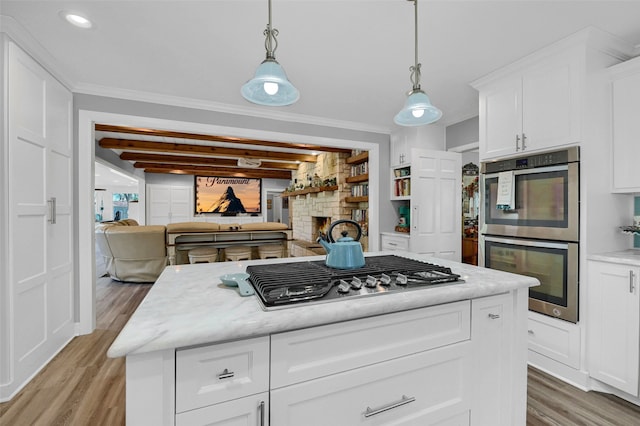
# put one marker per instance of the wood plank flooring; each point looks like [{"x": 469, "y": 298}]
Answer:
[{"x": 81, "y": 386}]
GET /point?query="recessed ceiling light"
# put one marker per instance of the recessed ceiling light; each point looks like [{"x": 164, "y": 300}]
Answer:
[{"x": 76, "y": 19}]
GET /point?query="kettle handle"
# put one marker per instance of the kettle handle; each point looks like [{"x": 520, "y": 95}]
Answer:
[{"x": 338, "y": 222}]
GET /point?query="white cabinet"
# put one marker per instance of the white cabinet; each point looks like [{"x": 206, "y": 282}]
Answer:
[
  {"x": 223, "y": 384},
  {"x": 169, "y": 204},
  {"x": 492, "y": 319},
  {"x": 434, "y": 365},
  {"x": 374, "y": 370},
  {"x": 248, "y": 411},
  {"x": 555, "y": 339},
  {"x": 37, "y": 230},
  {"x": 626, "y": 126},
  {"x": 394, "y": 241},
  {"x": 427, "y": 388},
  {"x": 532, "y": 109},
  {"x": 613, "y": 335}
]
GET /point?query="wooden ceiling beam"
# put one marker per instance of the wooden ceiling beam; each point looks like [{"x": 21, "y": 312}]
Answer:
[
  {"x": 186, "y": 159},
  {"x": 134, "y": 145},
  {"x": 211, "y": 138},
  {"x": 213, "y": 171}
]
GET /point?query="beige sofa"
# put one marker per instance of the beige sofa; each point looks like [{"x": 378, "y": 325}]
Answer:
[{"x": 132, "y": 253}]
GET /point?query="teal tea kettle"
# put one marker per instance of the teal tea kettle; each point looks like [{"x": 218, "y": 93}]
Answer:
[{"x": 346, "y": 253}]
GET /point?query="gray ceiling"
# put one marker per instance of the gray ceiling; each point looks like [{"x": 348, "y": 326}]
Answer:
[{"x": 350, "y": 59}]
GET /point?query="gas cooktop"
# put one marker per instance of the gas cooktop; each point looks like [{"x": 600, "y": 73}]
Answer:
[{"x": 283, "y": 285}]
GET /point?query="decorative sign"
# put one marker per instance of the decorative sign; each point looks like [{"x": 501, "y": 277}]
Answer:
[{"x": 227, "y": 195}]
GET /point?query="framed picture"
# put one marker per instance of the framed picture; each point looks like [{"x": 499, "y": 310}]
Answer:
[{"x": 227, "y": 195}]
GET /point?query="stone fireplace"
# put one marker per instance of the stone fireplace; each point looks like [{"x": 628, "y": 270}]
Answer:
[
  {"x": 320, "y": 225},
  {"x": 313, "y": 212}
]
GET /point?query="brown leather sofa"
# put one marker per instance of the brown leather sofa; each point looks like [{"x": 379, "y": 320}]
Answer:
[{"x": 132, "y": 253}]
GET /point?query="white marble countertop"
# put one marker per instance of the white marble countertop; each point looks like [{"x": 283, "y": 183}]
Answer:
[
  {"x": 625, "y": 257},
  {"x": 188, "y": 305}
]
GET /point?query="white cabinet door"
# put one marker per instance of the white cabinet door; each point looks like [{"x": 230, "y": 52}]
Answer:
[
  {"x": 436, "y": 203},
  {"x": 168, "y": 204},
  {"x": 532, "y": 110},
  {"x": 248, "y": 411},
  {"x": 427, "y": 388},
  {"x": 492, "y": 320},
  {"x": 550, "y": 105},
  {"x": 626, "y": 128},
  {"x": 614, "y": 325},
  {"x": 500, "y": 119},
  {"x": 40, "y": 223}
]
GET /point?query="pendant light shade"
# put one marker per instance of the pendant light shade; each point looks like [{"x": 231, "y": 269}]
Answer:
[
  {"x": 270, "y": 86},
  {"x": 417, "y": 110}
]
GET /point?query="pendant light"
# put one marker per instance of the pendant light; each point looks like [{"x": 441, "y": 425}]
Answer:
[
  {"x": 270, "y": 86},
  {"x": 417, "y": 109}
]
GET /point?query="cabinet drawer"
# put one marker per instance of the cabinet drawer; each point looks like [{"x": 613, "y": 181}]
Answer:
[
  {"x": 392, "y": 242},
  {"x": 211, "y": 374},
  {"x": 307, "y": 354},
  {"x": 556, "y": 339},
  {"x": 428, "y": 388},
  {"x": 248, "y": 411}
]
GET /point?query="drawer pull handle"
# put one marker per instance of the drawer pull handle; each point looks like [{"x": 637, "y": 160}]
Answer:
[
  {"x": 631, "y": 286},
  {"x": 494, "y": 316},
  {"x": 405, "y": 400},
  {"x": 531, "y": 332},
  {"x": 392, "y": 244},
  {"x": 226, "y": 374},
  {"x": 261, "y": 411}
]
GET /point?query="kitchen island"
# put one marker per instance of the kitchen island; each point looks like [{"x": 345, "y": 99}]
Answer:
[{"x": 198, "y": 353}]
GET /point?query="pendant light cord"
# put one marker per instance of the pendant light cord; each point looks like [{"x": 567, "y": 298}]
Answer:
[
  {"x": 415, "y": 69},
  {"x": 271, "y": 42}
]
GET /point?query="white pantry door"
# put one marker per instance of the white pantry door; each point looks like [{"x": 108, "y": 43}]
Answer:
[
  {"x": 41, "y": 276},
  {"x": 436, "y": 203}
]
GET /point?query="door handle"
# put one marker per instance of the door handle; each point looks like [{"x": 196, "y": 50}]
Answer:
[
  {"x": 261, "y": 411},
  {"x": 52, "y": 210},
  {"x": 631, "y": 286}
]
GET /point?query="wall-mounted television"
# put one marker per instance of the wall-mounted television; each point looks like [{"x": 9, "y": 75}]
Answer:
[{"x": 227, "y": 195}]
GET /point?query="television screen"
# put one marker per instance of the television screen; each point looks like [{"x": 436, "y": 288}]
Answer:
[{"x": 227, "y": 195}]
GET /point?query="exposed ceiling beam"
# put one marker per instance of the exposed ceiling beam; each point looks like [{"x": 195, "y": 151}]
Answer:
[
  {"x": 213, "y": 171},
  {"x": 186, "y": 159},
  {"x": 214, "y": 151},
  {"x": 211, "y": 138}
]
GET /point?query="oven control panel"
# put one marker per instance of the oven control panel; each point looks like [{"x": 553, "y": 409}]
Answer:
[{"x": 532, "y": 161}]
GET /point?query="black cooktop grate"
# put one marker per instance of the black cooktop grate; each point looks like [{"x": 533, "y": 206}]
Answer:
[{"x": 296, "y": 282}]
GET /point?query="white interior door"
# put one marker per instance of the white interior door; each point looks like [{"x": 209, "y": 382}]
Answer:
[
  {"x": 41, "y": 280},
  {"x": 436, "y": 203}
]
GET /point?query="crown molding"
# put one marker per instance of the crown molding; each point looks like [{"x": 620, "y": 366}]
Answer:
[
  {"x": 32, "y": 46},
  {"x": 156, "y": 98}
]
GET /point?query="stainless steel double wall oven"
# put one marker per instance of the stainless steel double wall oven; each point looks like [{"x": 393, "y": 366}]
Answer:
[{"x": 538, "y": 235}]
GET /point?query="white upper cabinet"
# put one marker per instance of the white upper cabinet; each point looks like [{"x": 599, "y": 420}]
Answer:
[
  {"x": 626, "y": 126},
  {"x": 555, "y": 97},
  {"x": 531, "y": 109}
]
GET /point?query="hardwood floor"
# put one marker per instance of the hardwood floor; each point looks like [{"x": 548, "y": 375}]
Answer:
[{"x": 81, "y": 386}]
